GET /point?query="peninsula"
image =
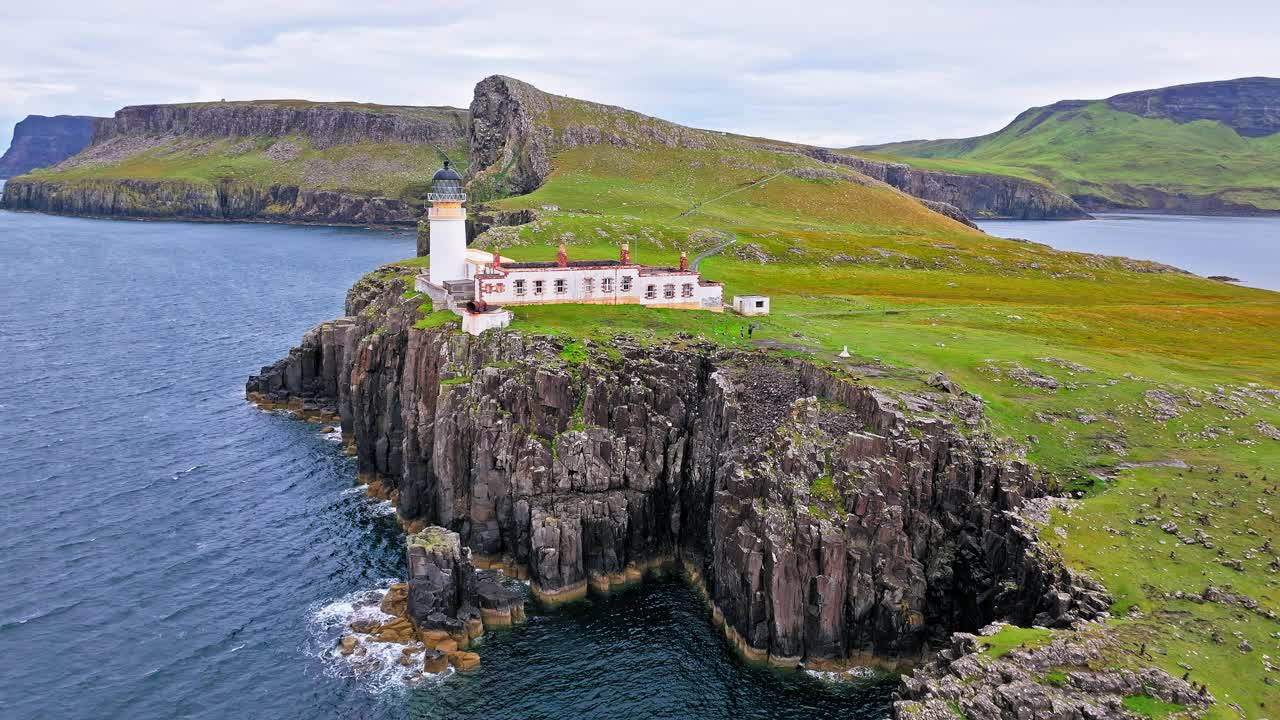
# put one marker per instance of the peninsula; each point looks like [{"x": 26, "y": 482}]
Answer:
[{"x": 1011, "y": 471}]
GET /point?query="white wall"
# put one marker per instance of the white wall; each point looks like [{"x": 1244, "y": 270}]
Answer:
[
  {"x": 448, "y": 250},
  {"x": 751, "y": 304},
  {"x": 502, "y": 291}
]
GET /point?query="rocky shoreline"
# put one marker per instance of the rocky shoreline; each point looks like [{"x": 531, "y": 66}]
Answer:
[
  {"x": 445, "y": 605},
  {"x": 828, "y": 524}
]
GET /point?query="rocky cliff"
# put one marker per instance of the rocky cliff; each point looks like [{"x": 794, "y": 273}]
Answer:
[
  {"x": 825, "y": 522},
  {"x": 1250, "y": 106},
  {"x": 282, "y": 161},
  {"x": 323, "y": 124},
  {"x": 172, "y": 199},
  {"x": 40, "y": 141},
  {"x": 977, "y": 196}
]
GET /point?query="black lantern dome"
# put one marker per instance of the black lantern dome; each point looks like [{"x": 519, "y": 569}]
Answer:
[{"x": 446, "y": 185}]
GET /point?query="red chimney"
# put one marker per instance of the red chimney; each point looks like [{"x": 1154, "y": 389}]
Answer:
[
  {"x": 562, "y": 256},
  {"x": 625, "y": 254},
  {"x": 497, "y": 259},
  {"x": 684, "y": 261}
]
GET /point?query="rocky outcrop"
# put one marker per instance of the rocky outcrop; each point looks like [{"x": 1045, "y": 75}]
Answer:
[
  {"x": 977, "y": 196},
  {"x": 323, "y": 124},
  {"x": 40, "y": 141},
  {"x": 171, "y": 199},
  {"x": 1058, "y": 681},
  {"x": 515, "y": 128},
  {"x": 1250, "y": 106},
  {"x": 826, "y": 522},
  {"x": 446, "y": 591}
]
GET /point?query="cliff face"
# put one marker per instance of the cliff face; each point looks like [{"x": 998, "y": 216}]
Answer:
[
  {"x": 978, "y": 196},
  {"x": 335, "y": 163},
  {"x": 323, "y": 124},
  {"x": 169, "y": 199},
  {"x": 823, "y": 520},
  {"x": 1250, "y": 106},
  {"x": 40, "y": 141}
]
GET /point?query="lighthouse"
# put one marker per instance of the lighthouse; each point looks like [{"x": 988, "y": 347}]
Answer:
[{"x": 448, "y": 222}]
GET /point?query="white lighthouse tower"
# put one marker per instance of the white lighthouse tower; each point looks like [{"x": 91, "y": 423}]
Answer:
[{"x": 448, "y": 222}]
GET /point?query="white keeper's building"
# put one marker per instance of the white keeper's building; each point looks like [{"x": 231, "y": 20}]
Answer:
[{"x": 478, "y": 285}]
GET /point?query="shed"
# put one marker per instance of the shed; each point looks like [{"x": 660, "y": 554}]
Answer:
[{"x": 751, "y": 304}]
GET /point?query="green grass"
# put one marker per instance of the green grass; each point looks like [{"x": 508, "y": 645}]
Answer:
[
  {"x": 1098, "y": 151},
  {"x": 1011, "y": 638},
  {"x": 1147, "y": 706},
  {"x": 367, "y": 169},
  {"x": 575, "y": 353},
  {"x": 1056, "y": 678},
  {"x": 436, "y": 319},
  {"x": 823, "y": 488}
]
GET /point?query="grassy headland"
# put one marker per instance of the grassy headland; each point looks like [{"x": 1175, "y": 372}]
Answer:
[
  {"x": 1102, "y": 156},
  {"x": 1148, "y": 392}
]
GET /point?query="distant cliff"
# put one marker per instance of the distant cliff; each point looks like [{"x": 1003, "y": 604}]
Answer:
[
  {"x": 274, "y": 160},
  {"x": 516, "y": 128},
  {"x": 40, "y": 141},
  {"x": 1203, "y": 148},
  {"x": 1250, "y": 106},
  {"x": 299, "y": 161},
  {"x": 325, "y": 125},
  {"x": 978, "y": 195}
]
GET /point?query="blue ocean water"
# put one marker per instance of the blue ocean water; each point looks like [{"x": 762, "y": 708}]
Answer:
[
  {"x": 169, "y": 551},
  {"x": 1247, "y": 248}
]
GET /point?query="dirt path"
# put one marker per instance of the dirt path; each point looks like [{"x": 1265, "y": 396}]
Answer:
[
  {"x": 758, "y": 183},
  {"x": 723, "y": 233}
]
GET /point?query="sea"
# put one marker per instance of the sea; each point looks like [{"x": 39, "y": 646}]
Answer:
[
  {"x": 1244, "y": 248},
  {"x": 168, "y": 550}
]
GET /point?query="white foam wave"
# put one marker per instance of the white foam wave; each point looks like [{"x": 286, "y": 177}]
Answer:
[
  {"x": 377, "y": 670},
  {"x": 854, "y": 673},
  {"x": 384, "y": 508}
]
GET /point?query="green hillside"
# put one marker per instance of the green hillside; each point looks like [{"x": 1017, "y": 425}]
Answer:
[
  {"x": 1144, "y": 389},
  {"x": 1105, "y": 157},
  {"x": 222, "y": 159},
  {"x": 368, "y": 169}
]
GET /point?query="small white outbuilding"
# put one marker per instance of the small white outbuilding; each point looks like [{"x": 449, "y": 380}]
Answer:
[{"x": 751, "y": 304}]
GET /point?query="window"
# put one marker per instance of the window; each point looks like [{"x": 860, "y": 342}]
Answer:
[
  {"x": 686, "y": 290},
  {"x": 562, "y": 286},
  {"x": 519, "y": 285},
  {"x": 759, "y": 303},
  {"x": 626, "y": 283},
  {"x": 588, "y": 285},
  {"x": 538, "y": 286},
  {"x": 651, "y": 292},
  {"x": 668, "y": 291},
  {"x": 606, "y": 285}
]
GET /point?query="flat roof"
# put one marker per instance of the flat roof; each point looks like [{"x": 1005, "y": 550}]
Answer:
[{"x": 551, "y": 264}]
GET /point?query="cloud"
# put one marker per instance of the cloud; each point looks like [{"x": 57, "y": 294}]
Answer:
[{"x": 833, "y": 73}]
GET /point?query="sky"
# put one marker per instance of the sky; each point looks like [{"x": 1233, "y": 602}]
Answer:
[{"x": 834, "y": 73}]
